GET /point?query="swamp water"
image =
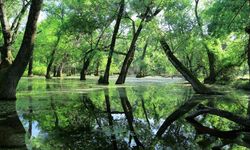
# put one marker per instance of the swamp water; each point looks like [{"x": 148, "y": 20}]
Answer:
[{"x": 147, "y": 113}]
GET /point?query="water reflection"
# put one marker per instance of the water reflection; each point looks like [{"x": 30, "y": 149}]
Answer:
[
  {"x": 12, "y": 133},
  {"x": 152, "y": 116}
]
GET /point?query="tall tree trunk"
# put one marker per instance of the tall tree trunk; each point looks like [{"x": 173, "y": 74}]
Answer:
[
  {"x": 196, "y": 84},
  {"x": 141, "y": 73},
  {"x": 130, "y": 54},
  {"x": 211, "y": 56},
  {"x": 105, "y": 79},
  {"x": 52, "y": 58},
  {"x": 84, "y": 69},
  {"x": 13, "y": 74},
  {"x": 30, "y": 69}
]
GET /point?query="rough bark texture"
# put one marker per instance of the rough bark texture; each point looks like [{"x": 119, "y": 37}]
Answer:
[
  {"x": 13, "y": 74},
  {"x": 105, "y": 79},
  {"x": 196, "y": 84}
]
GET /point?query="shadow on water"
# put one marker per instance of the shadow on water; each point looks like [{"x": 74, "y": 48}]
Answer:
[{"x": 135, "y": 117}]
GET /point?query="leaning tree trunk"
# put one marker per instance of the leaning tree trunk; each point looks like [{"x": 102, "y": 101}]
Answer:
[
  {"x": 196, "y": 84},
  {"x": 105, "y": 79},
  {"x": 10, "y": 78},
  {"x": 130, "y": 55}
]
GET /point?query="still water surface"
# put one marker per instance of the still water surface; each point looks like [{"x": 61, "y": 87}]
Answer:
[{"x": 145, "y": 113}]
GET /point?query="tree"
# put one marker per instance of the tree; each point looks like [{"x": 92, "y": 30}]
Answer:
[
  {"x": 145, "y": 16},
  {"x": 11, "y": 76},
  {"x": 10, "y": 32},
  {"x": 211, "y": 56},
  {"x": 197, "y": 85},
  {"x": 105, "y": 79}
]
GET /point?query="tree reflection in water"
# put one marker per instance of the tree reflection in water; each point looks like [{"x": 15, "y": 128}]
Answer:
[
  {"x": 126, "y": 118},
  {"x": 12, "y": 132}
]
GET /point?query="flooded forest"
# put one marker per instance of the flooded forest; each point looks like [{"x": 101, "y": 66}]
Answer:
[{"x": 125, "y": 74}]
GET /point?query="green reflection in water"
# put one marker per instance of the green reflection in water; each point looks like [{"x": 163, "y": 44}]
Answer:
[{"x": 69, "y": 114}]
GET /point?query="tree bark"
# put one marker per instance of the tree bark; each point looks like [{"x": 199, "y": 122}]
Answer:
[
  {"x": 105, "y": 79},
  {"x": 13, "y": 74},
  {"x": 130, "y": 54},
  {"x": 196, "y": 84}
]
